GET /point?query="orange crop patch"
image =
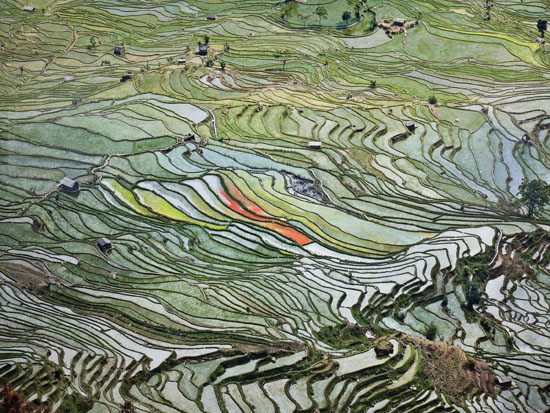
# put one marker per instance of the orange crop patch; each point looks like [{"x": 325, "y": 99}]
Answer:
[{"x": 255, "y": 213}]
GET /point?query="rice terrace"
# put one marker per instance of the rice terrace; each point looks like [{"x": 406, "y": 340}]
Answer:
[{"x": 274, "y": 206}]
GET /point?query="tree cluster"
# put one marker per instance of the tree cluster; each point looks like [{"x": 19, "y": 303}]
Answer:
[{"x": 14, "y": 402}]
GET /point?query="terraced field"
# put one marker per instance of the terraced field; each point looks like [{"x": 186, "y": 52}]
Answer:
[{"x": 251, "y": 271}]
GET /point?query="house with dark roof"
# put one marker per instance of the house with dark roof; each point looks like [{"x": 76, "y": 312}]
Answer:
[
  {"x": 506, "y": 381},
  {"x": 119, "y": 50},
  {"x": 203, "y": 49},
  {"x": 411, "y": 126},
  {"x": 68, "y": 185},
  {"x": 211, "y": 17},
  {"x": 399, "y": 22},
  {"x": 104, "y": 244}
]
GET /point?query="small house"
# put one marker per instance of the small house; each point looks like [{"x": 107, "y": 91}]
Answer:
[
  {"x": 203, "y": 49},
  {"x": 505, "y": 381},
  {"x": 211, "y": 17},
  {"x": 125, "y": 78},
  {"x": 182, "y": 61},
  {"x": 526, "y": 139},
  {"x": 28, "y": 8},
  {"x": 189, "y": 138},
  {"x": 119, "y": 50},
  {"x": 399, "y": 22},
  {"x": 411, "y": 126},
  {"x": 77, "y": 101},
  {"x": 68, "y": 185},
  {"x": 315, "y": 145},
  {"x": 104, "y": 244},
  {"x": 69, "y": 78},
  {"x": 541, "y": 41}
]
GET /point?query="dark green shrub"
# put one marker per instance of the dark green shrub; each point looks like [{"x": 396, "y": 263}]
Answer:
[{"x": 431, "y": 332}]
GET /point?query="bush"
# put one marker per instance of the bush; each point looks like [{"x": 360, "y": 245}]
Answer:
[
  {"x": 75, "y": 403},
  {"x": 431, "y": 332}
]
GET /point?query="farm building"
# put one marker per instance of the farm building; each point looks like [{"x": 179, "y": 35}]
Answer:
[
  {"x": 68, "y": 185},
  {"x": 69, "y": 78},
  {"x": 211, "y": 17},
  {"x": 189, "y": 138},
  {"x": 399, "y": 22},
  {"x": 203, "y": 50},
  {"x": 28, "y": 8},
  {"x": 505, "y": 381},
  {"x": 77, "y": 101},
  {"x": 315, "y": 145},
  {"x": 125, "y": 78},
  {"x": 411, "y": 126},
  {"x": 104, "y": 244},
  {"x": 119, "y": 50}
]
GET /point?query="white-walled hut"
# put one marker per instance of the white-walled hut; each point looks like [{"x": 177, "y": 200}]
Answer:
[
  {"x": 68, "y": 185},
  {"x": 315, "y": 145}
]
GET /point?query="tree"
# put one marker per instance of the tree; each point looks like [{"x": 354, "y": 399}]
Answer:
[
  {"x": 321, "y": 12},
  {"x": 288, "y": 9},
  {"x": 488, "y": 8},
  {"x": 127, "y": 407},
  {"x": 21, "y": 68},
  {"x": 534, "y": 194},
  {"x": 222, "y": 65},
  {"x": 473, "y": 294},
  {"x": 281, "y": 53},
  {"x": 357, "y": 8},
  {"x": 93, "y": 42},
  {"x": 542, "y": 26},
  {"x": 206, "y": 39},
  {"x": 432, "y": 100},
  {"x": 346, "y": 16}
]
